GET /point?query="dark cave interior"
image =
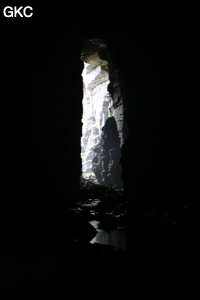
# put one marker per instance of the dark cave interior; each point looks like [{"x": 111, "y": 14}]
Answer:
[{"x": 44, "y": 243}]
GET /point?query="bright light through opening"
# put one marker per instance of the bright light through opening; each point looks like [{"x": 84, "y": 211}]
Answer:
[{"x": 97, "y": 107}]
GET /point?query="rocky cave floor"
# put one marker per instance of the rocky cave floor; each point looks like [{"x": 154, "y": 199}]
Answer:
[{"x": 161, "y": 256}]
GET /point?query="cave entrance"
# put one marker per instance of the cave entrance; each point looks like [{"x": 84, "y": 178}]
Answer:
[{"x": 102, "y": 118}]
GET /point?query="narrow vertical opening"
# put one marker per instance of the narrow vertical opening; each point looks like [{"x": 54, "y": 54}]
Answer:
[
  {"x": 103, "y": 134},
  {"x": 103, "y": 116}
]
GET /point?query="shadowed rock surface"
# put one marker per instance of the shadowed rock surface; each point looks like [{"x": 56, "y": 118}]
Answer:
[{"x": 106, "y": 161}]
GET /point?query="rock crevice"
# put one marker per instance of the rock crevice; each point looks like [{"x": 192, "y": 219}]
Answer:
[{"x": 102, "y": 100}]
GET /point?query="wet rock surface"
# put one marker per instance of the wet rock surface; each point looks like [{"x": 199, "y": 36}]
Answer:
[
  {"x": 104, "y": 204},
  {"x": 63, "y": 264}
]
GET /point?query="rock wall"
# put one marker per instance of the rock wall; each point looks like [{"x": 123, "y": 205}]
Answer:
[
  {"x": 105, "y": 163},
  {"x": 159, "y": 152},
  {"x": 95, "y": 111},
  {"x": 102, "y": 100},
  {"x": 41, "y": 126},
  {"x": 117, "y": 92}
]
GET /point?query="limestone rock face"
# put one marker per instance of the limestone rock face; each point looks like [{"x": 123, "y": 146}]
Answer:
[
  {"x": 118, "y": 100},
  {"x": 95, "y": 110},
  {"x": 105, "y": 163},
  {"x": 103, "y": 111}
]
